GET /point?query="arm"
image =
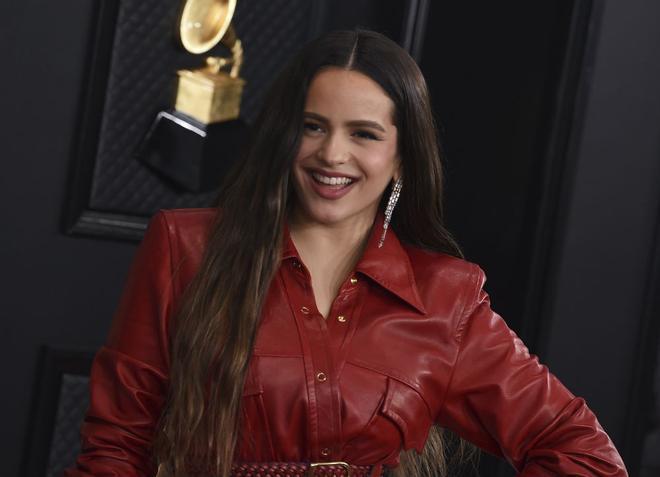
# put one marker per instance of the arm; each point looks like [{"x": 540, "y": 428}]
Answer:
[
  {"x": 504, "y": 401},
  {"x": 129, "y": 376}
]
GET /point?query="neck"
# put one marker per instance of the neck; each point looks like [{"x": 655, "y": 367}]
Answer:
[
  {"x": 330, "y": 238},
  {"x": 330, "y": 248}
]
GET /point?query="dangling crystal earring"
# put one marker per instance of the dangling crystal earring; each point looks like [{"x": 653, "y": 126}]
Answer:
[{"x": 394, "y": 196}]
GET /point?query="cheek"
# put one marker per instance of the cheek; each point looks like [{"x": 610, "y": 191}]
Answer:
[
  {"x": 297, "y": 173},
  {"x": 306, "y": 148},
  {"x": 380, "y": 163}
]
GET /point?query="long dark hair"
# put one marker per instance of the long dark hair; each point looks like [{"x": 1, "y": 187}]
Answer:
[{"x": 215, "y": 327}]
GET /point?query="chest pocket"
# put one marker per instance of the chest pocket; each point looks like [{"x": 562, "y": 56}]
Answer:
[
  {"x": 408, "y": 410},
  {"x": 401, "y": 421}
]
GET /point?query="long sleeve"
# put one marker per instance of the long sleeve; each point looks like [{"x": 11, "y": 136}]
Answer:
[
  {"x": 501, "y": 399},
  {"x": 129, "y": 375}
]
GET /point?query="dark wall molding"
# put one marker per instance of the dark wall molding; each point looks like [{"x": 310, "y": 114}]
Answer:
[
  {"x": 414, "y": 27},
  {"x": 558, "y": 170},
  {"x": 55, "y": 363},
  {"x": 642, "y": 403},
  {"x": 77, "y": 218}
]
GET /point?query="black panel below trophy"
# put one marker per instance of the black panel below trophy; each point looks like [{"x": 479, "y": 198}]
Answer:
[{"x": 192, "y": 155}]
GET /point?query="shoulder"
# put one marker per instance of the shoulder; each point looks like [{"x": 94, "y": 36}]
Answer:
[
  {"x": 442, "y": 278},
  {"x": 184, "y": 226},
  {"x": 186, "y": 232},
  {"x": 186, "y": 221},
  {"x": 429, "y": 264}
]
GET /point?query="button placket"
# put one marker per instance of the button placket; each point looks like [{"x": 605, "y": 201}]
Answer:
[
  {"x": 318, "y": 358},
  {"x": 324, "y": 352}
]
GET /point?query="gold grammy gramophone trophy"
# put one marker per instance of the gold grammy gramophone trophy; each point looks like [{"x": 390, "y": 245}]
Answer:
[
  {"x": 196, "y": 142},
  {"x": 210, "y": 94}
]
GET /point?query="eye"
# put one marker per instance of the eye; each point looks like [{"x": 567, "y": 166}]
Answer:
[
  {"x": 363, "y": 134},
  {"x": 311, "y": 127}
]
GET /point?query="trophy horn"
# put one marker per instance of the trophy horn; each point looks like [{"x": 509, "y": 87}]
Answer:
[{"x": 204, "y": 23}]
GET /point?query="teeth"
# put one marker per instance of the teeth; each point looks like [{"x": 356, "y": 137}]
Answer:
[{"x": 331, "y": 180}]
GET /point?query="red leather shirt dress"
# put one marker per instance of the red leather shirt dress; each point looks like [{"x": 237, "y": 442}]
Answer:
[{"x": 410, "y": 341}]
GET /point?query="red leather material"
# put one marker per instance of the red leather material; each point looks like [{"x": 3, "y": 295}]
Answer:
[{"x": 410, "y": 341}]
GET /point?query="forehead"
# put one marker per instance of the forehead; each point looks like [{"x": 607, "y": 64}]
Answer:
[{"x": 335, "y": 92}]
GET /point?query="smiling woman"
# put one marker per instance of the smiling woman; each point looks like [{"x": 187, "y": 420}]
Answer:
[
  {"x": 287, "y": 334},
  {"x": 348, "y": 151}
]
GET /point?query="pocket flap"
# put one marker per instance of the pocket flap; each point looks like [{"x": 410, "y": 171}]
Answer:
[
  {"x": 250, "y": 389},
  {"x": 409, "y": 411}
]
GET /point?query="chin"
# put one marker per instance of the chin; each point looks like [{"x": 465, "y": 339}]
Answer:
[
  {"x": 326, "y": 216},
  {"x": 336, "y": 212},
  {"x": 338, "y": 215}
]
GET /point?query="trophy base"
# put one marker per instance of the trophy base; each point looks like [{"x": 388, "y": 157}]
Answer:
[{"x": 193, "y": 155}]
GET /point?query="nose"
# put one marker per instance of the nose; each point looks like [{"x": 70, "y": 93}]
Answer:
[{"x": 334, "y": 149}]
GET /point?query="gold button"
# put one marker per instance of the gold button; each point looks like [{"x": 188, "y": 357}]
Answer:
[
  {"x": 305, "y": 310},
  {"x": 321, "y": 377},
  {"x": 341, "y": 318},
  {"x": 353, "y": 280},
  {"x": 325, "y": 452}
]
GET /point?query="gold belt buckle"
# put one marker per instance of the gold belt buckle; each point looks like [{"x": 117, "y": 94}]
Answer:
[{"x": 314, "y": 465}]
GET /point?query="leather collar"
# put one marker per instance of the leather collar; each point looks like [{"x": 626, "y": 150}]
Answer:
[{"x": 388, "y": 266}]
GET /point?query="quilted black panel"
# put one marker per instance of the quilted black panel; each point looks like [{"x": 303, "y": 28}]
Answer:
[
  {"x": 72, "y": 404},
  {"x": 144, "y": 61}
]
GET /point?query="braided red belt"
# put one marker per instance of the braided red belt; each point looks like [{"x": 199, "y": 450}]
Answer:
[{"x": 295, "y": 469}]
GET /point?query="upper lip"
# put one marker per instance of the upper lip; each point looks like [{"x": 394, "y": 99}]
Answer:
[{"x": 326, "y": 173}]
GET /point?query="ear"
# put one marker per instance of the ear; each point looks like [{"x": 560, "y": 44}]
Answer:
[{"x": 398, "y": 172}]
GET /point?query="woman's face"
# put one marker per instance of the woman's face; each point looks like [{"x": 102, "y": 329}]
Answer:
[{"x": 348, "y": 152}]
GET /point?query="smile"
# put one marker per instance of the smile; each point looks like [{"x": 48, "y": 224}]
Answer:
[
  {"x": 331, "y": 180},
  {"x": 330, "y": 187}
]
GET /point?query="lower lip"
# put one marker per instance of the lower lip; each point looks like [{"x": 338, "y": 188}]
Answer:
[{"x": 330, "y": 192}]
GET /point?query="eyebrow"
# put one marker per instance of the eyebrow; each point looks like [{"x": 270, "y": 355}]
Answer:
[{"x": 353, "y": 123}]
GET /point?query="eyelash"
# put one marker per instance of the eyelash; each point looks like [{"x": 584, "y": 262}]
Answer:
[
  {"x": 366, "y": 135},
  {"x": 311, "y": 127},
  {"x": 361, "y": 134}
]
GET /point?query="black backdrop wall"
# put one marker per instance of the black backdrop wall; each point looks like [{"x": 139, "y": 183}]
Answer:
[{"x": 549, "y": 114}]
